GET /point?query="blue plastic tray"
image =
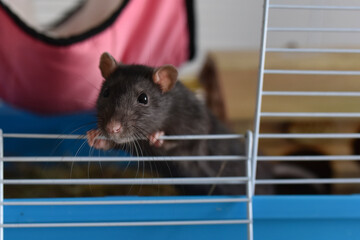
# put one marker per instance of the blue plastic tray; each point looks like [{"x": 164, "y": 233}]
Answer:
[{"x": 275, "y": 218}]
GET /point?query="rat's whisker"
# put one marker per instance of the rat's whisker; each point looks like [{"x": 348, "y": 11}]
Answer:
[
  {"x": 142, "y": 131},
  {"x": 73, "y": 162},
  {"x": 137, "y": 170},
  {"x": 100, "y": 164},
  {"x": 88, "y": 170},
  {"x": 129, "y": 162},
  {"x": 62, "y": 140}
]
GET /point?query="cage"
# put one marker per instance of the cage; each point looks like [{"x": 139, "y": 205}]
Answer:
[{"x": 204, "y": 217}]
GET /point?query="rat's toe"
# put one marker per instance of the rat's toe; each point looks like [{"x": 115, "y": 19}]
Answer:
[{"x": 154, "y": 139}]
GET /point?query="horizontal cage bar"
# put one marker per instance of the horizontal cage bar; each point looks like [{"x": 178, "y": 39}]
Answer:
[
  {"x": 129, "y": 181},
  {"x": 309, "y": 181},
  {"x": 309, "y": 135},
  {"x": 124, "y": 224},
  {"x": 312, "y": 50},
  {"x": 313, "y": 7},
  {"x": 310, "y": 158},
  {"x": 125, "y": 202},
  {"x": 125, "y": 159},
  {"x": 77, "y": 137},
  {"x": 311, "y": 93},
  {"x": 310, "y": 72},
  {"x": 309, "y": 114},
  {"x": 305, "y": 29}
]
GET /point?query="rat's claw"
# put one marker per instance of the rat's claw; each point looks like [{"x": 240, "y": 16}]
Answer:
[
  {"x": 154, "y": 139},
  {"x": 93, "y": 141}
]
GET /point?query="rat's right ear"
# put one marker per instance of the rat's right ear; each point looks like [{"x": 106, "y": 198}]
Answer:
[{"x": 107, "y": 64}]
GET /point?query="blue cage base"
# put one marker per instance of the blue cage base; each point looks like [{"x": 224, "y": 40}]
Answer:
[{"x": 275, "y": 217}]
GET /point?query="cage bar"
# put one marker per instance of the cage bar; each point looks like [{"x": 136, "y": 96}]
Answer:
[
  {"x": 310, "y": 158},
  {"x": 123, "y": 224},
  {"x": 128, "y": 202},
  {"x": 312, "y": 50},
  {"x": 311, "y": 72},
  {"x": 313, "y": 7},
  {"x": 309, "y": 181},
  {"x": 311, "y": 93},
  {"x": 311, "y": 114},
  {"x": 129, "y": 181},
  {"x": 259, "y": 91},
  {"x": 249, "y": 190},
  {"x": 125, "y": 159},
  {"x": 77, "y": 137},
  {"x": 316, "y": 30},
  {"x": 310, "y": 135}
]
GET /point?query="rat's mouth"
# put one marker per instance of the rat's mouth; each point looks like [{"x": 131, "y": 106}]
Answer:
[{"x": 120, "y": 138}]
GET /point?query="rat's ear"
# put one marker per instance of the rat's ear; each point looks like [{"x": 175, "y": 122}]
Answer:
[
  {"x": 107, "y": 64},
  {"x": 165, "y": 76}
]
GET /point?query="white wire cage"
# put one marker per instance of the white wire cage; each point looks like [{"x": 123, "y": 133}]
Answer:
[
  {"x": 291, "y": 111},
  {"x": 251, "y": 143},
  {"x": 130, "y": 181}
]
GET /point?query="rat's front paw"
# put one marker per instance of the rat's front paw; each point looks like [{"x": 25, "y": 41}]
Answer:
[
  {"x": 95, "y": 142},
  {"x": 154, "y": 139}
]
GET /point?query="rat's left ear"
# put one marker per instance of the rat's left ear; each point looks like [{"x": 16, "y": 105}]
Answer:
[{"x": 165, "y": 76}]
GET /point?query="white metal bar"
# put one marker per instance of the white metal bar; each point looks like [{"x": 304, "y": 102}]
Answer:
[
  {"x": 310, "y": 181},
  {"x": 125, "y": 159},
  {"x": 309, "y": 135},
  {"x": 125, "y": 224},
  {"x": 312, "y": 50},
  {"x": 310, "y": 158},
  {"x": 1, "y": 184},
  {"x": 259, "y": 91},
  {"x": 126, "y": 202},
  {"x": 311, "y": 93},
  {"x": 174, "y": 137},
  {"x": 203, "y": 137},
  {"x": 311, "y": 72},
  {"x": 44, "y": 136},
  {"x": 249, "y": 191},
  {"x": 310, "y": 114},
  {"x": 305, "y": 29},
  {"x": 129, "y": 181},
  {"x": 313, "y": 7}
]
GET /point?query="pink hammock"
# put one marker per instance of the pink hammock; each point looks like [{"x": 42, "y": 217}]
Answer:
[{"x": 60, "y": 75}]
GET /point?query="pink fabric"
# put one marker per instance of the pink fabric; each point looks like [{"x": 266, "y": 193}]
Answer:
[{"x": 49, "y": 79}]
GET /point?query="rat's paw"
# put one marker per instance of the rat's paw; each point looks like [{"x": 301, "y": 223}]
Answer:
[
  {"x": 154, "y": 139},
  {"x": 93, "y": 141}
]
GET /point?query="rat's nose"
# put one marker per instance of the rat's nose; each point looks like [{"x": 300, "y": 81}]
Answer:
[{"x": 113, "y": 127}]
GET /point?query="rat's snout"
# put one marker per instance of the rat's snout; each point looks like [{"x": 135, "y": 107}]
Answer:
[{"x": 114, "y": 127}]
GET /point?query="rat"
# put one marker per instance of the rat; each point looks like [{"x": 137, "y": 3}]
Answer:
[{"x": 139, "y": 104}]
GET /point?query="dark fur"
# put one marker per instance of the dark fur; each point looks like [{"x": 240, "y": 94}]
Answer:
[{"x": 176, "y": 112}]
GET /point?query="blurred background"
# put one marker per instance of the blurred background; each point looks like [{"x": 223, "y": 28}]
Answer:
[{"x": 226, "y": 25}]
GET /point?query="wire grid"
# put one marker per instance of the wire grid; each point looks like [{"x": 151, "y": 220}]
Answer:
[
  {"x": 142, "y": 181},
  {"x": 259, "y": 114}
]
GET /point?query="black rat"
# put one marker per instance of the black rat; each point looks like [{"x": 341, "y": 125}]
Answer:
[{"x": 139, "y": 104}]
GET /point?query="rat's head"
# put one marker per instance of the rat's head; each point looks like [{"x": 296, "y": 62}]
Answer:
[{"x": 133, "y": 100}]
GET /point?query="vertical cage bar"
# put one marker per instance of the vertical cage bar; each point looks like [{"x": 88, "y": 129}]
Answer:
[
  {"x": 1, "y": 185},
  {"x": 259, "y": 92},
  {"x": 249, "y": 186}
]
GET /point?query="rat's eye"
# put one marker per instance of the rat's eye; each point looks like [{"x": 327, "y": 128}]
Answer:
[
  {"x": 106, "y": 93},
  {"x": 143, "y": 99}
]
